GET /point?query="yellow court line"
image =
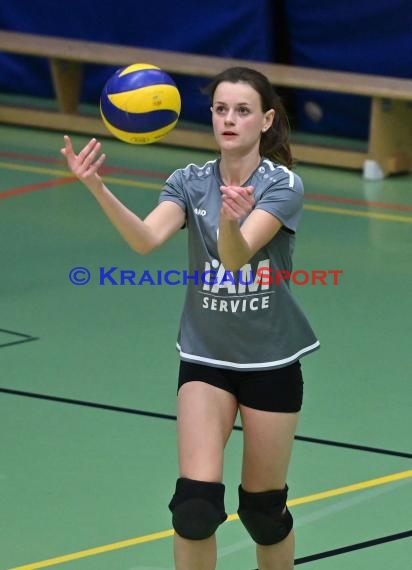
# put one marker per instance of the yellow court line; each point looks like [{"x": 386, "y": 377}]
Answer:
[
  {"x": 35, "y": 169},
  {"x": 358, "y": 213},
  {"x": 97, "y": 550},
  {"x": 123, "y": 182},
  {"x": 67, "y": 174},
  {"x": 168, "y": 533},
  {"x": 347, "y": 489},
  {"x": 153, "y": 186}
]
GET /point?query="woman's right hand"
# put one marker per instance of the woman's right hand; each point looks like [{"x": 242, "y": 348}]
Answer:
[{"x": 86, "y": 164}]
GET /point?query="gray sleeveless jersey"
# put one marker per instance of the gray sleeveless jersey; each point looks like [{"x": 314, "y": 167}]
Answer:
[{"x": 248, "y": 319}]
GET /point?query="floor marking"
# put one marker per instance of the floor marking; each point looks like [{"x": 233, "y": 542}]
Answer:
[
  {"x": 152, "y": 186},
  {"x": 16, "y": 333},
  {"x": 358, "y": 213},
  {"x": 163, "y": 175},
  {"x": 22, "y": 338},
  {"x": 168, "y": 533},
  {"x": 358, "y": 202},
  {"x": 30, "y": 157},
  {"x": 35, "y": 169},
  {"x": 343, "y": 490},
  {"x": 329, "y": 508},
  {"x": 68, "y": 175},
  {"x": 96, "y": 550},
  {"x": 14, "y": 342},
  {"x": 356, "y": 446},
  {"x": 67, "y": 178},
  {"x": 352, "y": 547},
  {"x": 122, "y": 182},
  {"x": 348, "y": 501},
  {"x": 162, "y": 416},
  {"x": 33, "y": 187},
  {"x": 105, "y": 169}
]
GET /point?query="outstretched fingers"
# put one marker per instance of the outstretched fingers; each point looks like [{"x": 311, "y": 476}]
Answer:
[
  {"x": 85, "y": 164},
  {"x": 88, "y": 154}
]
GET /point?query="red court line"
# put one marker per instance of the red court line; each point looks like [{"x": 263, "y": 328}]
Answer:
[
  {"x": 357, "y": 202},
  {"x": 123, "y": 170},
  {"x": 106, "y": 170},
  {"x": 31, "y": 157},
  {"x": 38, "y": 186}
]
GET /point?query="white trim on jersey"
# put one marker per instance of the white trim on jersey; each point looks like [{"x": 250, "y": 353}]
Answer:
[
  {"x": 270, "y": 164},
  {"x": 290, "y": 174},
  {"x": 192, "y": 164},
  {"x": 249, "y": 366}
]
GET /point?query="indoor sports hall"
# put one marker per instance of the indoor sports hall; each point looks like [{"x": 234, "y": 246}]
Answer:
[{"x": 88, "y": 330}]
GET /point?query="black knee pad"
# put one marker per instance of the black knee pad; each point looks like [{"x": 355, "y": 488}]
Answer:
[
  {"x": 198, "y": 508},
  {"x": 263, "y": 517}
]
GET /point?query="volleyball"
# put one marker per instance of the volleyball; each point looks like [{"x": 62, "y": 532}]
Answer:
[{"x": 140, "y": 104}]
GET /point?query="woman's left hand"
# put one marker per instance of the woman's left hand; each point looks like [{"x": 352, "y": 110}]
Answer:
[{"x": 237, "y": 202}]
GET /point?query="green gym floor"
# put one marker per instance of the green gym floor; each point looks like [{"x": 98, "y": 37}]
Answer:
[{"x": 88, "y": 373}]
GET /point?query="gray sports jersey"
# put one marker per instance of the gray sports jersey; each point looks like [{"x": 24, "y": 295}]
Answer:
[{"x": 242, "y": 320}]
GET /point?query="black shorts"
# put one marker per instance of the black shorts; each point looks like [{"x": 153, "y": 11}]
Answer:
[{"x": 278, "y": 390}]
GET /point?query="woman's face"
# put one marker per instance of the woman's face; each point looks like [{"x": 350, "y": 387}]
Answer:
[{"x": 237, "y": 117}]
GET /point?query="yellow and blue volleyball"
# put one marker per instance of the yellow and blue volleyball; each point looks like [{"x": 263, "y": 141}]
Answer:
[{"x": 140, "y": 104}]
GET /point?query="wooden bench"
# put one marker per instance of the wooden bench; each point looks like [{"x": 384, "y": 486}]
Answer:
[{"x": 390, "y": 135}]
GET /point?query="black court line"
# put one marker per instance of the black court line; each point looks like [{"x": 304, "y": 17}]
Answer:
[
  {"x": 353, "y": 547},
  {"x": 162, "y": 416},
  {"x": 23, "y": 338},
  {"x": 353, "y": 446}
]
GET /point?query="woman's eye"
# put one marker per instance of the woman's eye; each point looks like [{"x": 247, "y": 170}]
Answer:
[
  {"x": 243, "y": 110},
  {"x": 220, "y": 109}
]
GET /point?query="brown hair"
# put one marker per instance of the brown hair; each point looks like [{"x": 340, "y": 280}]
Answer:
[{"x": 274, "y": 143}]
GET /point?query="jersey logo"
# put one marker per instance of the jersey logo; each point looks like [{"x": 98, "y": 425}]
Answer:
[{"x": 200, "y": 212}]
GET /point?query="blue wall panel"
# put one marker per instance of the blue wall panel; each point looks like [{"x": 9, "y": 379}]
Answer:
[
  {"x": 232, "y": 28},
  {"x": 368, "y": 36},
  {"x": 365, "y": 36}
]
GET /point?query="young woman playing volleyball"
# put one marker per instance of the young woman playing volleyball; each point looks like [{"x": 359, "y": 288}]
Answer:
[{"x": 241, "y": 335}]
